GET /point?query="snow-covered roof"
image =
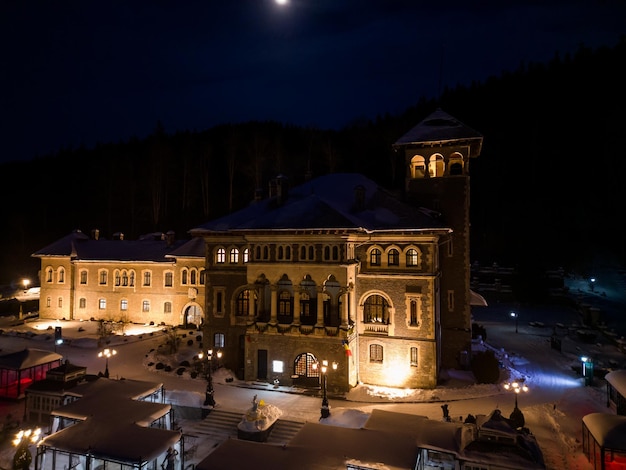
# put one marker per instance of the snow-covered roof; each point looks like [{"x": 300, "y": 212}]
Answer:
[
  {"x": 328, "y": 202},
  {"x": 153, "y": 248},
  {"x": 113, "y": 424},
  {"x": 617, "y": 379},
  {"x": 28, "y": 358},
  {"x": 608, "y": 430},
  {"x": 388, "y": 439},
  {"x": 438, "y": 127}
]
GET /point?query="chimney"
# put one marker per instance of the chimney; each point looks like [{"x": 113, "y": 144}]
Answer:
[
  {"x": 170, "y": 237},
  {"x": 95, "y": 234}
]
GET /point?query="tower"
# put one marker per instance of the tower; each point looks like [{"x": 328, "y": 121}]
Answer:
[{"x": 437, "y": 155}]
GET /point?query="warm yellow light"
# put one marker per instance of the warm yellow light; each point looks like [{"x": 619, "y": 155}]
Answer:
[
  {"x": 26, "y": 283},
  {"x": 107, "y": 353},
  {"x": 219, "y": 354},
  {"x": 324, "y": 369},
  {"x": 335, "y": 365}
]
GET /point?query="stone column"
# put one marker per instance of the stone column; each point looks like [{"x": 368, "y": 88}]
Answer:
[
  {"x": 296, "y": 307},
  {"x": 274, "y": 305},
  {"x": 320, "y": 308}
]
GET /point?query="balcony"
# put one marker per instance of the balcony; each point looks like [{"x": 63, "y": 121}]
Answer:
[{"x": 376, "y": 328}]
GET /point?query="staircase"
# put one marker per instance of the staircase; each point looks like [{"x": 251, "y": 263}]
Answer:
[{"x": 221, "y": 425}]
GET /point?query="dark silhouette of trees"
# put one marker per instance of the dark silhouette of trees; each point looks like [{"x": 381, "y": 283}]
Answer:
[{"x": 546, "y": 189}]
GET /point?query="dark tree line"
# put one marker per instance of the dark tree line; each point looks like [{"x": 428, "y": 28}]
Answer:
[{"x": 546, "y": 190}]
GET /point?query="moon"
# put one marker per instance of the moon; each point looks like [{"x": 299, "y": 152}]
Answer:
[{"x": 282, "y": 2}]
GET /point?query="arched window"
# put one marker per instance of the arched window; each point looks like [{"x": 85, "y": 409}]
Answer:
[
  {"x": 220, "y": 257},
  {"x": 243, "y": 303},
  {"x": 192, "y": 275},
  {"x": 183, "y": 277},
  {"x": 455, "y": 163},
  {"x": 61, "y": 275},
  {"x": 375, "y": 257},
  {"x": 246, "y": 255},
  {"x": 234, "y": 256},
  {"x": 202, "y": 276},
  {"x": 436, "y": 166},
  {"x": 393, "y": 257},
  {"x": 335, "y": 253},
  {"x": 125, "y": 278},
  {"x": 132, "y": 279},
  {"x": 311, "y": 253},
  {"x": 83, "y": 277},
  {"x": 376, "y": 353},
  {"x": 376, "y": 310},
  {"x": 257, "y": 252},
  {"x": 266, "y": 252},
  {"x": 118, "y": 278},
  {"x": 411, "y": 257},
  {"x": 49, "y": 272},
  {"x": 418, "y": 167}
]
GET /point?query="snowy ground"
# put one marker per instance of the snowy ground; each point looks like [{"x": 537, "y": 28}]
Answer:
[{"x": 553, "y": 407}]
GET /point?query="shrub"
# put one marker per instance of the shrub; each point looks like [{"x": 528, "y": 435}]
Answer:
[
  {"x": 180, "y": 370},
  {"x": 167, "y": 368},
  {"x": 485, "y": 367},
  {"x": 194, "y": 374},
  {"x": 190, "y": 342},
  {"x": 159, "y": 366},
  {"x": 184, "y": 364}
]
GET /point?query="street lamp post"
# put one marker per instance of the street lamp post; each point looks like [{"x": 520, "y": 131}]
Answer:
[
  {"x": 325, "y": 410},
  {"x": 515, "y": 315},
  {"x": 209, "y": 399},
  {"x": 107, "y": 353},
  {"x": 22, "y": 458},
  {"x": 517, "y": 387}
]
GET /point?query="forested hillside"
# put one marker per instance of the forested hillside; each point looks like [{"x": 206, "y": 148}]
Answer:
[{"x": 546, "y": 191}]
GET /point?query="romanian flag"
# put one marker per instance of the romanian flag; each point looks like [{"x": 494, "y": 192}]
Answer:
[{"x": 346, "y": 347}]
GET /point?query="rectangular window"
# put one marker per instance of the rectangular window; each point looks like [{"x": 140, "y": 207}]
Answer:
[
  {"x": 147, "y": 278},
  {"x": 145, "y": 306},
  {"x": 218, "y": 303},
  {"x": 413, "y": 357},
  {"x": 218, "y": 340},
  {"x": 376, "y": 353},
  {"x": 102, "y": 304},
  {"x": 60, "y": 302},
  {"x": 277, "y": 367},
  {"x": 167, "y": 307},
  {"x": 123, "y": 304},
  {"x": 82, "y": 303},
  {"x": 83, "y": 277},
  {"x": 103, "y": 278},
  {"x": 48, "y": 302},
  {"x": 169, "y": 279}
]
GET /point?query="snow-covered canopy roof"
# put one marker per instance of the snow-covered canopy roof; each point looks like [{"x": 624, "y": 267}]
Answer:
[
  {"x": 113, "y": 424},
  {"x": 329, "y": 202},
  {"x": 608, "y": 430},
  {"x": 617, "y": 379},
  {"x": 28, "y": 358}
]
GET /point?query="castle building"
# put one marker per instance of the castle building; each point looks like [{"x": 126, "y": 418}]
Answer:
[
  {"x": 154, "y": 279},
  {"x": 334, "y": 282},
  {"x": 340, "y": 272}
]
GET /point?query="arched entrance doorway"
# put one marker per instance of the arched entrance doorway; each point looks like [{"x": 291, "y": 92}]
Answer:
[
  {"x": 193, "y": 315},
  {"x": 304, "y": 374}
]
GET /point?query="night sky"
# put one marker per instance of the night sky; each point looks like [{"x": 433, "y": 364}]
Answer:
[{"x": 83, "y": 72}]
